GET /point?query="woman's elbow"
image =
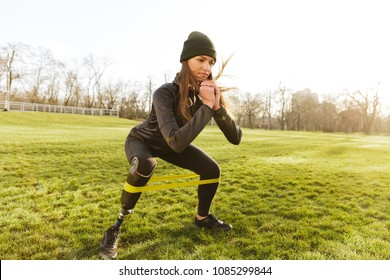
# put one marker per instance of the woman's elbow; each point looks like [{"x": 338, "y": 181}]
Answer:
[{"x": 236, "y": 141}]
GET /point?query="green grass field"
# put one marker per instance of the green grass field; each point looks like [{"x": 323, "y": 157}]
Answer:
[{"x": 288, "y": 195}]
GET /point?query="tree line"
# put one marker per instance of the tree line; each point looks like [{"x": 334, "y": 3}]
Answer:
[
  {"x": 349, "y": 112},
  {"x": 33, "y": 74}
]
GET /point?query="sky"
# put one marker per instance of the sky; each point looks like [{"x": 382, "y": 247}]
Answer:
[{"x": 327, "y": 46}]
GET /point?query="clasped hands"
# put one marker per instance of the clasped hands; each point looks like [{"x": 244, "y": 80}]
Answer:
[{"x": 210, "y": 94}]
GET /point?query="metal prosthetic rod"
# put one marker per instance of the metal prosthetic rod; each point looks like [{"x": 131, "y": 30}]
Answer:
[
  {"x": 124, "y": 212},
  {"x": 122, "y": 215}
]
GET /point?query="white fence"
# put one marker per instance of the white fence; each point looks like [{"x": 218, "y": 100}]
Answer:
[{"x": 34, "y": 107}]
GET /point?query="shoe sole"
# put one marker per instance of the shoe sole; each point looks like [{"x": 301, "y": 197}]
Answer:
[{"x": 104, "y": 256}]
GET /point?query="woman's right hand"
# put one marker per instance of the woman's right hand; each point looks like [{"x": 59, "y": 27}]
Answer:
[{"x": 207, "y": 94}]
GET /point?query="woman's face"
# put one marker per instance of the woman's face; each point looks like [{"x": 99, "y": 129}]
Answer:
[{"x": 201, "y": 66}]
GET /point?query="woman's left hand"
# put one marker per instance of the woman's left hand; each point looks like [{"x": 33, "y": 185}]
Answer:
[{"x": 217, "y": 92}]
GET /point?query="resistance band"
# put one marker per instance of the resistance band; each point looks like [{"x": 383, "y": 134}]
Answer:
[{"x": 133, "y": 189}]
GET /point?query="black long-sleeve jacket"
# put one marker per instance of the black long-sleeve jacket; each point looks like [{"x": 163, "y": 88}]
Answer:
[{"x": 164, "y": 129}]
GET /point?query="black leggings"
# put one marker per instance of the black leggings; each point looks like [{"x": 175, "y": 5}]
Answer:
[{"x": 192, "y": 158}]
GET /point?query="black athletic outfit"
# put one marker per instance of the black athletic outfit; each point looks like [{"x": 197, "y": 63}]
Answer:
[{"x": 164, "y": 135}]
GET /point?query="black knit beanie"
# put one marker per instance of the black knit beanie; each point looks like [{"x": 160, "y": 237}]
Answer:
[{"x": 198, "y": 44}]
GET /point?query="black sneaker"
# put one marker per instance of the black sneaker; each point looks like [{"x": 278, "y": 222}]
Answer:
[
  {"x": 109, "y": 244},
  {"x": 212, "y": 222}
]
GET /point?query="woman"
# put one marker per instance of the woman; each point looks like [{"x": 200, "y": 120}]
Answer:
[{"x": 180, "y": 111}]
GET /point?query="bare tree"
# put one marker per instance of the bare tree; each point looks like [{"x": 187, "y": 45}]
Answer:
[
  {"x": 234, "y": 106},
  {"x": 149, "y": 93},
  {"x": 304, "y": 108},
  {"x": 43, "y": 78},
  {"x": 132, "y": 103},
  {"x": 94, "y": 69},
  {"x": 386, "y": 124},
  {"x": 251, "y": 106},
  {"x": 54, "y": 81},
  {"x": 72, "y": 90},
  {"x": 328, "y": 116},
  {"x": 368, "y": 105},
  {"x": 350, "y": 120},
  {"x": 11, "y": 56},
  {"x": 112, "y": 93},
  {"x": 9, "y": 60},
  {"x": 282, "y": 100},
  {"x": 3, "y": 68},
  {"x": 268, "y": 108},
  {"x": 36, "y": 75},
  {"x": 6, "y": 60}
]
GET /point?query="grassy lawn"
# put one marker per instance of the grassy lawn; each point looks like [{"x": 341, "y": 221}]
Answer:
[{"x": 288, "y": 195}]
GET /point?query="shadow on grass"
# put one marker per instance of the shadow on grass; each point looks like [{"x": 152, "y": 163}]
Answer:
[{"x": 170, "y": 242}]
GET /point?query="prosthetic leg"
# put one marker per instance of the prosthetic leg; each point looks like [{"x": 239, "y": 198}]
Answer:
[{"x": 139, "y": 174}]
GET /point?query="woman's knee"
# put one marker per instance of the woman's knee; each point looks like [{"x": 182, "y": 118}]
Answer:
[
  {"x": 211, "y": 170},
  {"x": 141, "y": 169}
]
